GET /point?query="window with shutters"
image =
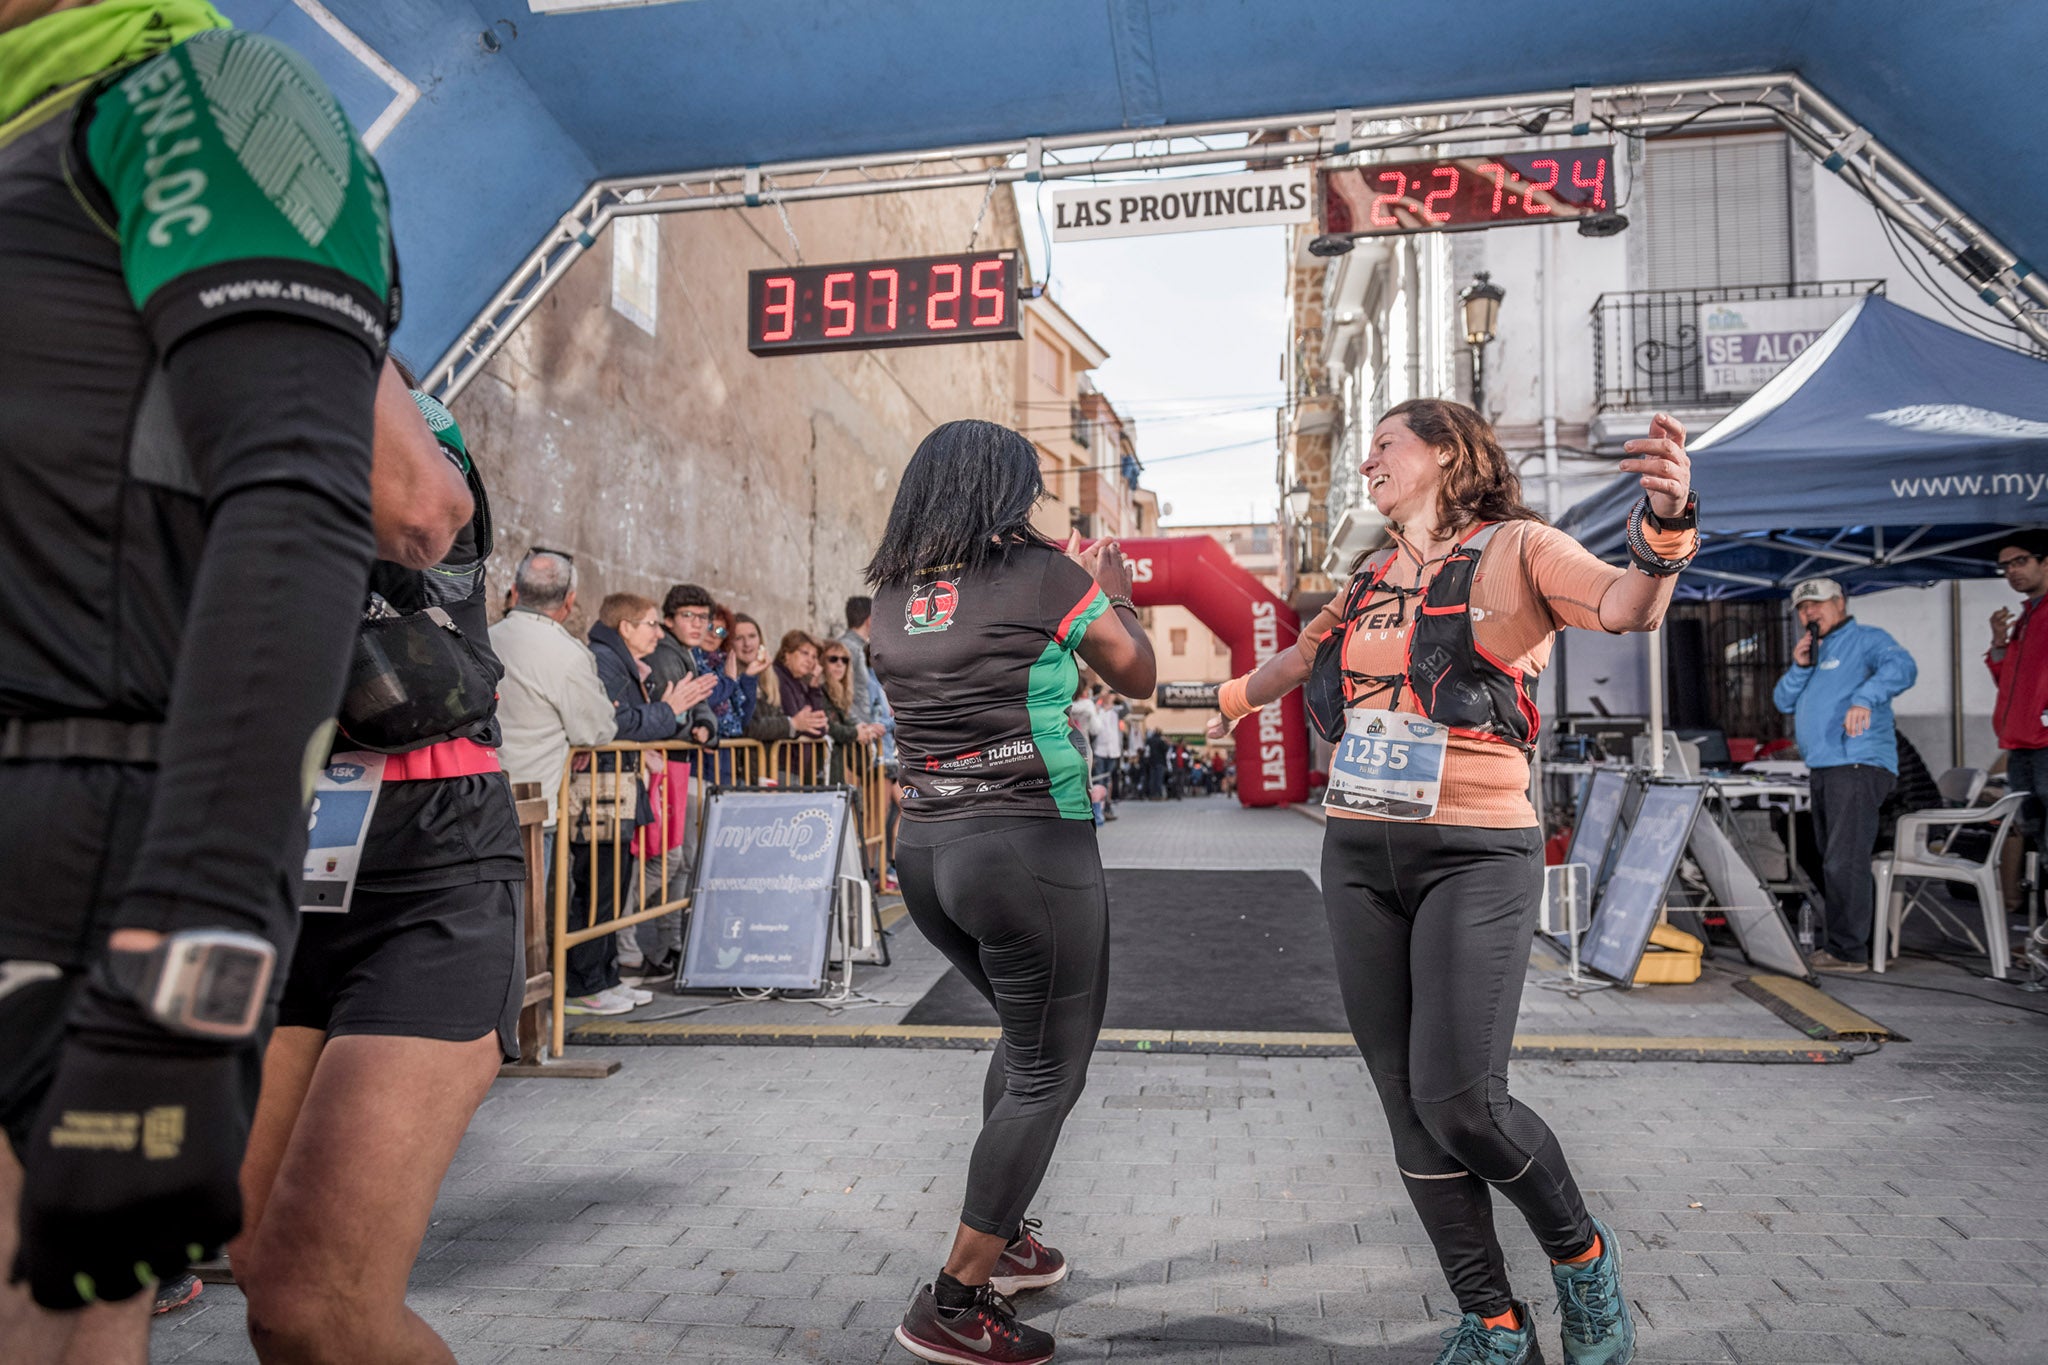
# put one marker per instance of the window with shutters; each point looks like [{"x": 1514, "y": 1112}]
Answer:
[
  {"x": 1716, "y": 211},
  {"x": 1045, "y": 363},
  {"x": 1177, "y": 640}
]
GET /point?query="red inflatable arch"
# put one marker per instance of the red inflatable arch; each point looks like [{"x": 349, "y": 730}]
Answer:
[{"x": 1197, "y": 573}]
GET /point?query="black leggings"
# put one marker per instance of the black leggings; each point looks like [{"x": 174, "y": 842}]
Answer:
[
  {"x": 1431, "y": 925},
  {"x": 1017, "y": 903}
]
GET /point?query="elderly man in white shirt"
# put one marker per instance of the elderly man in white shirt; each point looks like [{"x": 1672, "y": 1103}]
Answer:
[{"x": 550, "y": 698}]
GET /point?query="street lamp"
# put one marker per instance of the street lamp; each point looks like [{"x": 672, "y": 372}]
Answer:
[{"x": 1480, "y": 301}]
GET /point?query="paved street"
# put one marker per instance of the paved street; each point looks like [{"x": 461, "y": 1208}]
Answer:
[{"x": 740, "y": 1203}]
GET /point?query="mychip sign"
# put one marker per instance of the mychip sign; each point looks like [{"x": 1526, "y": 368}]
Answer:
[{"x": 1182, "y": 204}]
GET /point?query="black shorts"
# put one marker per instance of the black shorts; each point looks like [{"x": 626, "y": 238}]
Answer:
[
  {"x": 448, "y": 964},
  {"x": 68, "y": 831}
]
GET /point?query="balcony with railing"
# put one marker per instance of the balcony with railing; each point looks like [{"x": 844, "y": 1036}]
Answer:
[{"x": 1647, "y": 351}]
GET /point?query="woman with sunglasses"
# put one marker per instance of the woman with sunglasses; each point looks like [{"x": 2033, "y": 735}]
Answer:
[
  {"x": 840, "y": 725},
  {"x": 978, "y": 620}
]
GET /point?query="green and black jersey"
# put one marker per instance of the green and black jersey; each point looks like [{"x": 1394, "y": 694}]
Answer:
[
  {"x": 194, "y": 175},
  {"x": 980, "y": 670}
]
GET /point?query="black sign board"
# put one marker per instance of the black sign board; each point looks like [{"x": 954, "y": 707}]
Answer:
[
  {"x": 1598, "y": 820},
  {"x": 1634, "y": 898},
  {"x": 1461, "y": 193},
  {"x": 1188, "y": 696},
  {"x": 861, "y": 305},
  {"x": 761, "y": 915}
]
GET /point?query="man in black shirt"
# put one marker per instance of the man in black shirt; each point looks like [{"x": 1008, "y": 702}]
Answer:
[{"x": 195, "y": 321}]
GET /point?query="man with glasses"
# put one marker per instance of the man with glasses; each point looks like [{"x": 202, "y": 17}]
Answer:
[{"x": 2019, "y": 663}]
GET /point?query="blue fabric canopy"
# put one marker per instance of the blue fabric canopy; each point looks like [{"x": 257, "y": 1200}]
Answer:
[
  {"x": 519, "y": 111},
  {"x": 1888, "y": 453}
]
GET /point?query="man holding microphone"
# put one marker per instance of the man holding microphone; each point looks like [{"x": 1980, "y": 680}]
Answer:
[
  {"x": 2018, "y": 660},
  {"x": 1839, "y": 694}
]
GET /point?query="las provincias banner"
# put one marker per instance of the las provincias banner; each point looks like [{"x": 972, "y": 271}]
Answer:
[{"x": 1201, "y": 203}]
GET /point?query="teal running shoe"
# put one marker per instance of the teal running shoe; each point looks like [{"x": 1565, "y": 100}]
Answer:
[
  {"x": 1597, "y": 1327},
  {"x": 1472, "y": 1342}
]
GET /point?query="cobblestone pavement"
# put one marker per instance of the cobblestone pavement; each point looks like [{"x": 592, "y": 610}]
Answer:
[{"x": 715, "y": 1204}]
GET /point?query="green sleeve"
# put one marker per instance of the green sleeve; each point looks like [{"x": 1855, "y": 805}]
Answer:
[{"x": 238, "y": 186}]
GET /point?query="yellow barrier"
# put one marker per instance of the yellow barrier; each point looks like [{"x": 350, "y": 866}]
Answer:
[{"x": 624, "y": 864}]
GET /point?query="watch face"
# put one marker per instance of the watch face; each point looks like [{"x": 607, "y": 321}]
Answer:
[{"x": 227, "y": 983}]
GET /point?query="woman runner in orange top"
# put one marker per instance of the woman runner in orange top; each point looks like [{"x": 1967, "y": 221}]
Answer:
[{"x": 1432, "y": 862}]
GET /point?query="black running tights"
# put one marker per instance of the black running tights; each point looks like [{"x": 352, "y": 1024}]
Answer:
[
  {"x": 1431, "y": 926},
  {"x": 1017, "y": 903}
]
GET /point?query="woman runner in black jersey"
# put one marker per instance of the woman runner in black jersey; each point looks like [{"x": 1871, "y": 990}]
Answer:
[{"x": 977, "y": 621}]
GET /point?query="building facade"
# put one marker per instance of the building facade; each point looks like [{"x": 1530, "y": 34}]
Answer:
[
  {"x": 1595, "y": 333},
  {"x": 627, "y": 423}
]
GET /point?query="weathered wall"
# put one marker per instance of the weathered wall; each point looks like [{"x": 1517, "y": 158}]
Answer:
[{"x": 680, "y": 457}]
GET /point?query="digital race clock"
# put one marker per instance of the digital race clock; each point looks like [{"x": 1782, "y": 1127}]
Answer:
[
  {"x": 1450, "y": 194},
  {"x": 860, "y": 305}
]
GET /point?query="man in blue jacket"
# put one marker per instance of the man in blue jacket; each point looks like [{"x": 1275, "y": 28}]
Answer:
[{"x": 1839, "y": 694}]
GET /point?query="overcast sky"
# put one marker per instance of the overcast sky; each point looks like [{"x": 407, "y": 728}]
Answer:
[{"x": 1195, "y": 323}]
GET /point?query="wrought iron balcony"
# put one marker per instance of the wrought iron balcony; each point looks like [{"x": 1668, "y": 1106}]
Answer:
[{"x": 1646, "y": 343}]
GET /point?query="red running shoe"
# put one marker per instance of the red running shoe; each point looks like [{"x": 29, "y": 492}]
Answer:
[
  {"x": 1028, "y": 1263},
  {"x": 984, "y": 1333}
]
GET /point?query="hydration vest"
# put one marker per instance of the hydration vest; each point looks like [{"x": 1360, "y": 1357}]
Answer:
[{"x": 1451, "y": 677}]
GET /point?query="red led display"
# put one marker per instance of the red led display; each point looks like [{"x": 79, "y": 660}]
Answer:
[
  {"x": 1449, "y": 194},
  {"x": 859, "y": 305}
]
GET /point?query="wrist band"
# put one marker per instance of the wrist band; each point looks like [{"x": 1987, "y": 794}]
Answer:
[
  {"x": 1232, "y": 699},
  {"x": 1646, "y": 557},
  {"x": 1117, "y": 600},
  {"x": 1671, "y": 544}
]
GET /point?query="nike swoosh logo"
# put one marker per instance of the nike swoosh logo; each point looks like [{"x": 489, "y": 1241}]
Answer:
[
  {"x": 1028, "y": 1260},
  {"x": 980, "y": 1343}
]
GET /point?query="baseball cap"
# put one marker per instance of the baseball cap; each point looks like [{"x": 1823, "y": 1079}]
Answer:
[{"x": 1816, "y": 590}]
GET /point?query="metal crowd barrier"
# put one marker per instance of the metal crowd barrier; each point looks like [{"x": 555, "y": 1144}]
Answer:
[{"x": 626, "y": 806}]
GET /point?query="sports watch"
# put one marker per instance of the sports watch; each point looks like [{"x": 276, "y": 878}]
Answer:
[
  {"x": 204, "y": 983},
  {"x": 1688, "y": 518}
]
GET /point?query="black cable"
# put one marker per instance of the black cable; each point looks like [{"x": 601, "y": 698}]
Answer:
[{"x": 1923, "y": 275}]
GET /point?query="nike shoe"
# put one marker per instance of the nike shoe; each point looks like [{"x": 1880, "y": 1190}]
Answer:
[
  {"x": 986, "y": 1331},
  {"x": 632, "y": 995},
  {"x": 1472, "y": 1342},
  {"x": 1028, "y": 1263},
  {"x": 604, "y": 1002},
  {"x": 1597, "y": 1327},
  {"x": 176, "y": 1293}
]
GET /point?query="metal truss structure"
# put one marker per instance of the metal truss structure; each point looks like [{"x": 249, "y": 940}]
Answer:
[{"x": 1941, "y": 229}]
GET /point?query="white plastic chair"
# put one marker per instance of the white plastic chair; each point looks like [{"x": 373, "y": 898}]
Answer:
[
  {"x": 1913, "y": 857},
  {"x": 1959, "y": 786}
]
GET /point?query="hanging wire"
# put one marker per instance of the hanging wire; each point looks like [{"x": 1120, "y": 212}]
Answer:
[
  {"x": 982, "y": 212},
  {"x": 794, "y": 244}
]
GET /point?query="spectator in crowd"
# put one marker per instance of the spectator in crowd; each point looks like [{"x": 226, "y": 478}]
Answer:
[
  {"x": 1134, "y": 757},
  {"x": 799, "y": 681},
  {"x": 861, "y": 706},
  {"x": 686, "y": 622},
  {"x": 892, "y": 772},
  {"x": 840, "y": 727},
  {"x": 798, "y": 672},
  {"x": 1107, "y": 742},
  {"x": 1081, "y": 730},
  {"x": 769, "y": 722},
  {"x": 628, "y": 629},
  {"x": 745, "y": 673},
  {"x": 1839, "y": 694},
  {"x": 1155, "y": 766},
  {"x": 549, "y": 700},
  {"x": 2019, "y": 663}
]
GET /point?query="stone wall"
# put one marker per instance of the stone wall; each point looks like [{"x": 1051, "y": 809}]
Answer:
[{"x": 680, "y": 457}]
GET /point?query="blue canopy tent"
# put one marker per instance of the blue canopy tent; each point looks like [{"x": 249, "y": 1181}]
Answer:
[
  {"x": 1889, "y": 453},
  {"x": 491, "y": 121}
]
